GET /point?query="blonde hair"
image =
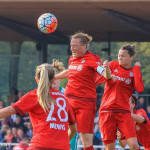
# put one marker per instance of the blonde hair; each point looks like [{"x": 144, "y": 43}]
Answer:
[
  {"x": 84, "y": 38},
  {"x": 45, "y": 73},
  {"x": 58, "y": 65}
]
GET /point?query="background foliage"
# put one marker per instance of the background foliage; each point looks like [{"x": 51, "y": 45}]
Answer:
[{"x": 29, "y": 59}]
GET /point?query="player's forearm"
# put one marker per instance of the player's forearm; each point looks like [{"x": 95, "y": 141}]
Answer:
[
  {"x": 137, "y": 118},
  {"x": 138, "y": 82},
  {"x": 107, "y": 74},
  {"x": 62, "y": 75},
  {"x": 5, "y": 112}
]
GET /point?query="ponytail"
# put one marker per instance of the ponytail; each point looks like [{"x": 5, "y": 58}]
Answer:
[{"x": 45, "y": 74}]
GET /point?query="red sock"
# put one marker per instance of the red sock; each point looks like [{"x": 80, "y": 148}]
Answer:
[
  {"x": 89, "y": 148},
  {"x": 139, "y": 148}
]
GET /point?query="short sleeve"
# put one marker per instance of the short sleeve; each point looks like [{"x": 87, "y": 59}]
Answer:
[
  {"x": 25, "y": 103},
  {"x": 95, "y": 62}
]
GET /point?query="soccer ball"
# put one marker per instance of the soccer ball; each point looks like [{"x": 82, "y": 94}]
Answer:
[{"x": 47, "y": 23}]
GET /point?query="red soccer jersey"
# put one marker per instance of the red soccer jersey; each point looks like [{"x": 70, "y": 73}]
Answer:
[
  {"x": 143, "y": 129},
  {"x": 117, "y": 93},
  {"x": 82, "y": 76},
  {"x": 49, "y": 130}
]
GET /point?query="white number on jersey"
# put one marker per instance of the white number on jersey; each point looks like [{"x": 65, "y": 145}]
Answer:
[{"x": 61, "y": 108}]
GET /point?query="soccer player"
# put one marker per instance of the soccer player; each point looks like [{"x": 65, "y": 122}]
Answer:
[
  {"x": 56, "y": 85},
  {"x": 81, "y": 87},
  {"x": 115, "y": 110},
  {"x": 49, "y": 111},
  {"x": 142, "y": 125}
]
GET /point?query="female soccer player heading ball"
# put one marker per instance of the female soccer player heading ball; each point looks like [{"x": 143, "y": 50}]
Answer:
[
  {"x": 81, "y": 87},
  {"x": 49, "y": 111},
  {"x": 115, "y": 110}
]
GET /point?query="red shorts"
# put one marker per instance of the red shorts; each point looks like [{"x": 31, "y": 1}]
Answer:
[
  {"x": 85, "y": 112},
  {"x": 109, "y": 123}
]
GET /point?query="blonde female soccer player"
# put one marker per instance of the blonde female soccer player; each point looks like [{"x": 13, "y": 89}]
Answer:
[
  {"x": 49, "y": 111},
  {"x": 59, "y": 67}
]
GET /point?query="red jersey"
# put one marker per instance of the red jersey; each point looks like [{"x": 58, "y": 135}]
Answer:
[
  {"x": 82, "y": 76},
  {"x": 50, "y": 130},
  {"x": 143, "y": 129},
  {"x": 116, "y": 93}
]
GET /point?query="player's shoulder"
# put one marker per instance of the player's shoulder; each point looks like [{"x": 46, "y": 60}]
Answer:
[
  {"x": 92, "y": 57},
  {"x": 140, "y": 111},
  {"x": 32, "y": 93},
  {"x": 113, "y": 64}
]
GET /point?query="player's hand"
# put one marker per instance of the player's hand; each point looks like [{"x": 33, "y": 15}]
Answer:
[
  {"x": 106, "y": 64},
  {"x": 113, "y": 77},
  {"x": 119, "y": 135},
  {"x": 138, "y": 64}
]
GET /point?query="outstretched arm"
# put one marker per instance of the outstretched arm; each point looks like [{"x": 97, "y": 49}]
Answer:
[
  {"x": 7, "y": 111},
  {"x": 138, "y": 82},
  {"x": 61, "y": 75}
]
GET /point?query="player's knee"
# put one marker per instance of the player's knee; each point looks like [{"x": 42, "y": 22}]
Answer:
[
  {"x": 87, "y": 139},
  {"x": 134, "y": 146}
]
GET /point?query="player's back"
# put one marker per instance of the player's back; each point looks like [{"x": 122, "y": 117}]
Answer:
[{"x": 50, "y": 129}]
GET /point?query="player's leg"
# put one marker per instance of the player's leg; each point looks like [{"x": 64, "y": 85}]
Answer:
[
  {"x": 85, "y": 113},
  {"x": 108, "y": 130},
  {"x": 110, "y": 146},
  {"x": 133, "y": 143},
  {"x": 127, "y": 128},
  {"x": 87, "y": 140}
]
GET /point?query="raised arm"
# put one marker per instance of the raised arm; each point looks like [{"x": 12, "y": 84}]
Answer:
[
  {"x": 106, "y": 73},
  {"x": 62, "y": 75},
  {"x": 138, "y": 82},
  {"x": 7, "y": 111}
]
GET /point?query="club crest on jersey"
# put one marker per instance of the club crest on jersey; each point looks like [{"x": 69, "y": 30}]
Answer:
[
  {"x": 128, "y": 81},
  {"x": 79, "y": 68},
  {"x": 131, "y": 74},
  {"x": 116, "y": 70},
  {"x": 98, "y": 63}
]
